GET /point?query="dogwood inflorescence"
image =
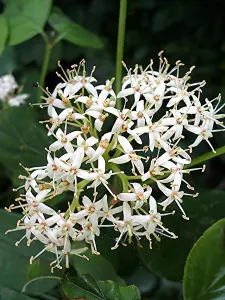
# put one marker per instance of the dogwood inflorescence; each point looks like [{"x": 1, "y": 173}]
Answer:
[
  {"x": 107, "y": 151},
  {"x": 10, "y": 92}
]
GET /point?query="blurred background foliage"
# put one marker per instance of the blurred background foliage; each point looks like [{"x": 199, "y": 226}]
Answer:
[{"x": 192, "y": 31}]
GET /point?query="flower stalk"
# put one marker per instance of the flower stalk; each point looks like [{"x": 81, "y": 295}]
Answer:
[{"x": 120, "y": 46}]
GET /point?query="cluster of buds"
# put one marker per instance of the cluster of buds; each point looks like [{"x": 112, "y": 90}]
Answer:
[
  {"x": 10, "y": 92},
  {"x": 115, "y": 147}
]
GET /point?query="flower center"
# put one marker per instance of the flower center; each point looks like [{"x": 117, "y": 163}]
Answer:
[
  {"x": 91, "y": 209},
  {"x": 140, "y": 196},
  {"x": 140, "y": 114}
]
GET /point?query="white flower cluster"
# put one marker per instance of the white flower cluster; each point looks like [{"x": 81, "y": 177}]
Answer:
[
  {"x": 8, "y": 86},
  {"x": 114, "y": 154}
]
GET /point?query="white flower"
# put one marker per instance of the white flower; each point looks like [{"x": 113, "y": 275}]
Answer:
[
  {"x": 138, "y": 195},
  {"x": 91, "y": 210},
  {"x": 52, "y": 100},
  {"x": 139, "y": 114},
  {"x": 121, "y": 117},
  {"x": 178, "y": 121},
  {"x": 151, "y": 222},
  {"x": 137, "y": 87},
  {"x": 87, "y": 145},
  {"x": 103, "y": 145},
  {"x": 154, "y": 170},
  {"x": 124, "y": 226},
  {"x": 99, "y": 118},
  {"x": 77, "y": 83},
  {"x": 34, "y": 204},
  {"x": 56, "y": 120},
  {"x": 106, "y": 90},
  {"x": 203, "y": 134},
  {"x": 89, "y": 232},
  {"x": 156, "y": 96},
  {"x": 172, "y": 194},
  {"x": 53, "y": 169},
  {"x": 8, "y": 85},
  {"x": 129, "y": 155},
  {"x": 176, "y": 154},
  {"x": 18, "y": 100},
  {"x": 153, "y": 130},
  {"x": 64, "y": 140},
  {"x": 100, "y": 177},
  {"x": 108, "y": 212}
]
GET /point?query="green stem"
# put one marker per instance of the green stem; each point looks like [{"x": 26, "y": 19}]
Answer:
[
  {"x": 48, "y": 50},
  {"x": 120, "y": 46}
]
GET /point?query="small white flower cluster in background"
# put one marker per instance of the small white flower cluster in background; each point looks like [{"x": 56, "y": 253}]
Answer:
[
  {"x": 10, "y": 92},
  {"x": 113, "y": 147}
]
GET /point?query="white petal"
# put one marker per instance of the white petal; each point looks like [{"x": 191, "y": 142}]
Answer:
[
  {"x": 86, "y": 201},
  {"x": 72, "y": 135},
  {"x": 127, "y": 197},
  {"x": 86, "y": 175},
  {"x": 120, "y": 160},
  {"x": 126, "y": 211},
  {"x": 125, "y": 144},
  {"x": 91, "y": 141},
  {"x": 59, "y": 133},
  {"x": 141, "y": 130},
  {"x": 101, "y": 164},
  {"x": 91, "y": 89},
  {"x": 117, "y": 125},
  {"x": 69, "y": 148},
  {"x": 78, "y": 251},
  {"x": 137, "y": 187},
  {"x": 164, "y": 189},
  {"x": 55, "y": 146},
  {"x": 98, "y": 124},
  {"x": 46, "y": 209},
  {"x": 40, "y": 196},
  {"x": 125, "y": 93},
  {"x": 140, "y": 106},
  {"x": 65, "y": 113},
  {"x": 139, "y": 165},
  {"x": 78, "y": 157},
  {"x": 112, "y": 111},
  {"x": 104, "y": 94},
  {"x": 97, "y": 153},
  {"x": 163, "y": 159},
  {"x": 169, "y": 121},
  {"x": 194, "y": 129},
  {"x": 93, "y": 113},
  {"x": 72, "y": 89}
]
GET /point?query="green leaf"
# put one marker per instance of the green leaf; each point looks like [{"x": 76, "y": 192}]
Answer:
[
  {"x": 8, "y": 61},
  {"x": 10, "y": 294},
  {"x": 73, "y": 32},
  {"x": 22, "y": 139},
  {"x": 168, "y": 257},
  {"x": 33, "y": 50},
  {"x": 204, "y": 276},
  {"x": 88, "y": 287},
  {"x": 84, "y": 286},
  {"x": 4, "y": 32},
  {"x": 26, "y": 18},
  {"x": 113, "y": 291},
  {"x": 91, "y": 266}
]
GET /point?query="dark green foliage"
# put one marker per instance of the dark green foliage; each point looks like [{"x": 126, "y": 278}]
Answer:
[{"x": 192, "y": 31}]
